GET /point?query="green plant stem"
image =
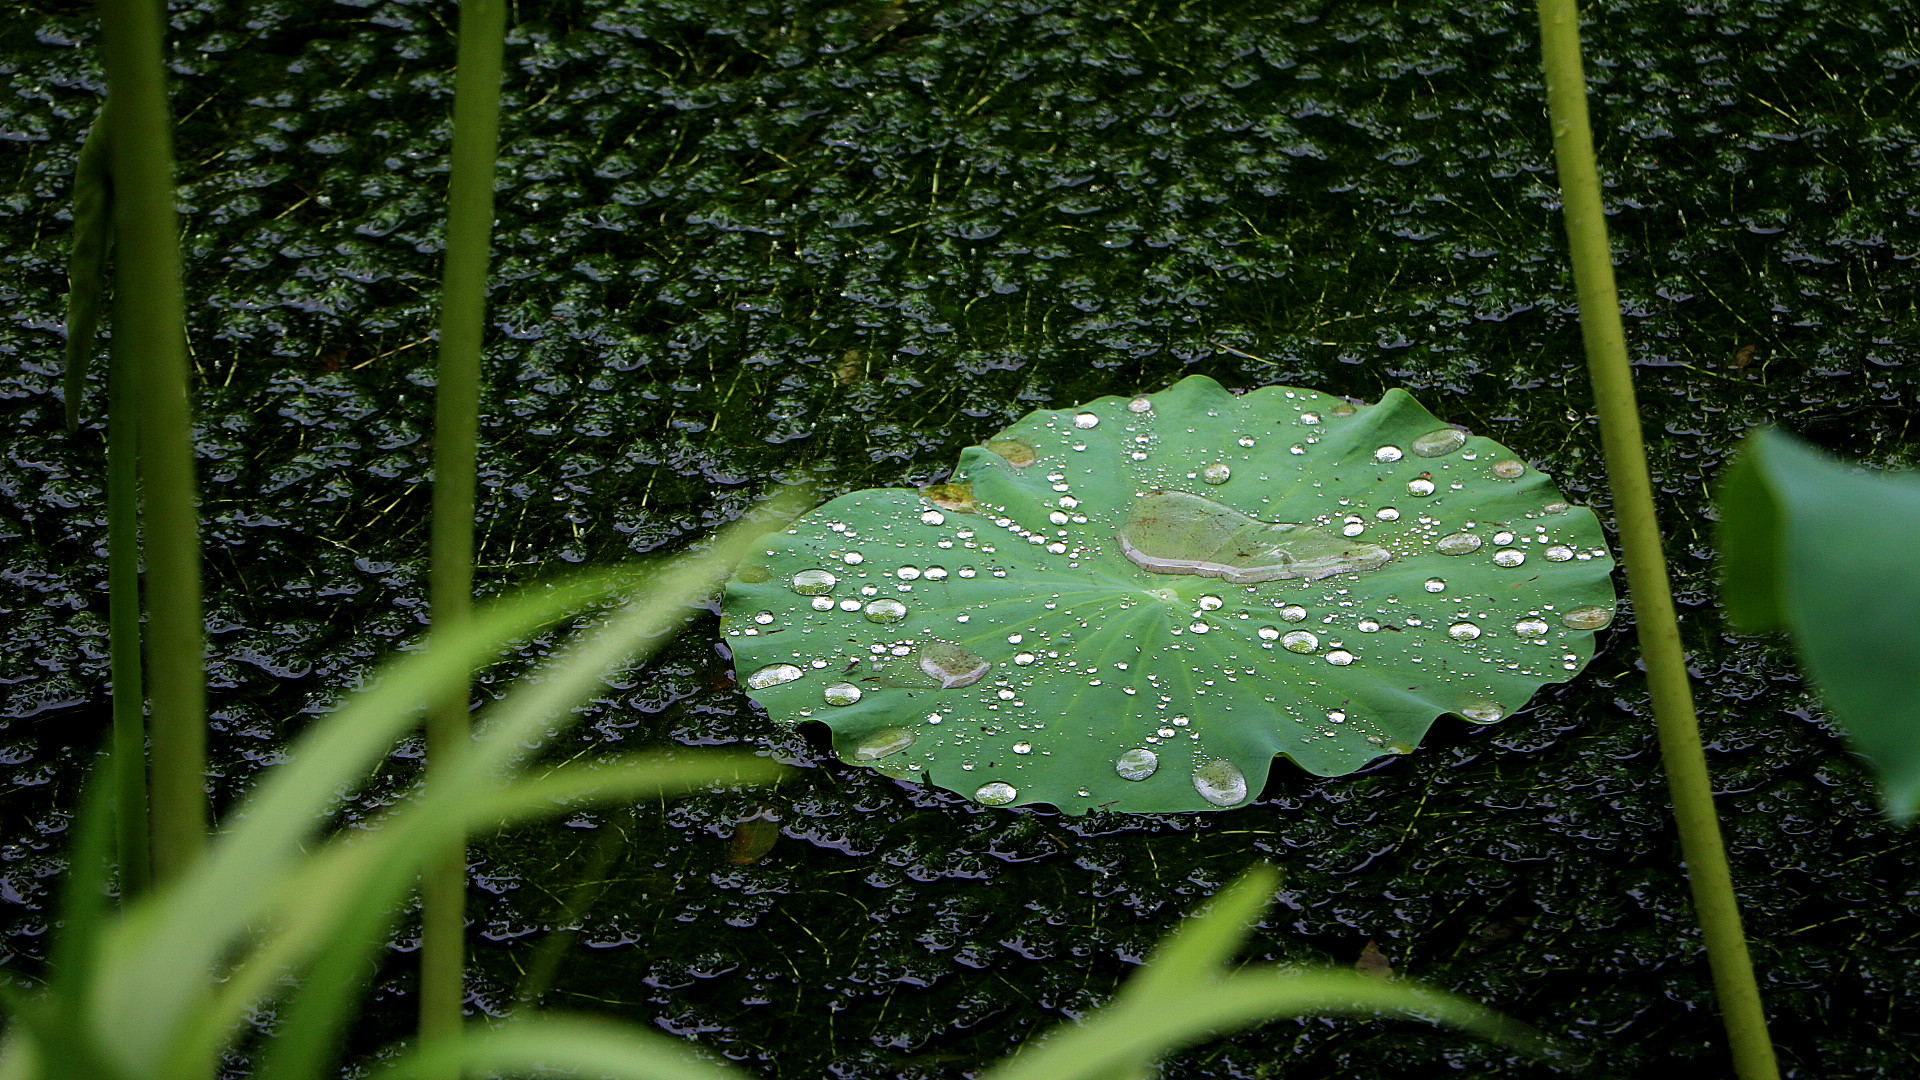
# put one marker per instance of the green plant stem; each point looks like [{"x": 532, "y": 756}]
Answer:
[
  {"x": 463, "y": 298},
  {"x": 151, "y": 317},
  {"x": 123, "y": 620},
  {"x": 1659, "y": 632}
]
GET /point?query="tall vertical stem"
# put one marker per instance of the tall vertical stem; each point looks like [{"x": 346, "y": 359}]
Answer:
[
  {"x": 463, "y": 298},
  {"x": 152, "y": 321},
  {"x": 1659, "y": 633},
  {"x": 123, "y": 620}
]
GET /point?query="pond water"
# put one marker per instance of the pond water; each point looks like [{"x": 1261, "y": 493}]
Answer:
[{"x": 742, "y": 244}]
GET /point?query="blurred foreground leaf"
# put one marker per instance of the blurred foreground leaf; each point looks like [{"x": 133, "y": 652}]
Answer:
[{"x": 1824, "y": 551}]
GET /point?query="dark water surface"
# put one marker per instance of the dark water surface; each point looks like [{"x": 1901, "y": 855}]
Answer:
[{"x": 744, "y": 243}]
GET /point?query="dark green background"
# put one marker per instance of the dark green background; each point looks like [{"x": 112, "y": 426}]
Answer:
[{"x": 744, "y": 243}]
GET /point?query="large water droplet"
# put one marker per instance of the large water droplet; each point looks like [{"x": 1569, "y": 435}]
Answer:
[
  {"x": 1018, "y": 454},
  {"x": 841, "y": 693},
  {"x": 955, "y": 497},
  {"x": 1509, "y": 469},
  {"x": 936, "y": 573},
  {"x": 1309, "y": 419},
  {"x": 1300, "y": 641},
  {"x": 933, "y": 517},
  {"x": 773, "y": 675},
  {"x": 1420, "y": 485},
  {"x": 886, "y": 610},
  {"x": 1339, "y": 658},
  {"x": 1293, "y": 613},
  {"x": 822, "y": 603},
  {"x": 951, "y": 666},
  {"x": 753, "y": 575},
  {"x": 1220, "y": 783},
  {"x": 1136, "y": 764},
  {"x": 1485, "y": 713},
  {"x": 908, "y": 573},
  {"x": 1531, "y": 628},
  {"x": 814, "y": 582},
  {"x": 1205, "y": 603},
  {"x": 1387, "y": 454},
  {"x": 1509, "y": 557},
  {"x": 882, "y": 743},
  {"x": 1558, "y": 553},
  {"x": 1023, "y": 748},
  {"x": 1368, "y": 626},
  {"x": 1023, "y": 659},
  {"x": 1588, "y": 618},
  {"x": 1434, "y": 584},
  {"x": 763, "y": 618},
  {"x": 1269, "y": 633},
  {"x": 1457, "y": 544},
  {"x": 1439, "y": 443},
  {"x": 1175, "y": 532},
  {"x": 1217, "y": 473},
  {"x": 1140, "y": 404},
  {"x": 1086, "y": 420},
  {"x": 996, "y": 793},
  {"x": 1463, "y": 631}
]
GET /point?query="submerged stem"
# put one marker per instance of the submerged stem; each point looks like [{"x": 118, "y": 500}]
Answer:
[
  {"x": 463, "y": 298},
  {"x": 1658, "y": 631}
]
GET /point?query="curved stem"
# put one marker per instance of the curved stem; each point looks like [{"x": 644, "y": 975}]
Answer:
[{"x": 1658, "y": 631}]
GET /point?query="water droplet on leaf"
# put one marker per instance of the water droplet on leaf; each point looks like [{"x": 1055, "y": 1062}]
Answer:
[
  {"x": 996, "y": 793},
  {"x": 1587, "y": 618},
  {"x": 814, "y": 582},
  {"x": 886, "y": 610},
  {"x": 1439, "y": 443},
  {"x": 773, "y": 675},
  {"x": 1136, "y": 764},
  {"x": 1174, "y": 532},
  {"x": 1220, "y": 783}
]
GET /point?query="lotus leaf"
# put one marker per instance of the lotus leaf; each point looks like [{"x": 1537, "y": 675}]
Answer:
[{"x": 1137, "y": 604}]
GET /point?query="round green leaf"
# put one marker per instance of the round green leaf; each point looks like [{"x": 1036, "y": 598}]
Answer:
[{"x": 1137, "y": 604}]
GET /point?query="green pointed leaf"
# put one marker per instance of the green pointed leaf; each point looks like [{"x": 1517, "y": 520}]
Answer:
[
  {"x": 1848, "y": 595},
  {"x": 1173, "y": 590}
]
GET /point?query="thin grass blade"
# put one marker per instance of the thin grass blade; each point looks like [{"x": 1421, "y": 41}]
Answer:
[
  {"x": 87, "y": 260},
  {"x": 1118, "y": 1038}
]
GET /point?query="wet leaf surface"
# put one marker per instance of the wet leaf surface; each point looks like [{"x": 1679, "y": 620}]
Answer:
[{"x": 1094, "y": 632}]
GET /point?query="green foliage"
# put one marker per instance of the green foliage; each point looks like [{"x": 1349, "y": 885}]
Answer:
[
  {"x": 1824, "y": 551},
  {"x": 276, "y": 898},
  {"x": 1138, "y": 603}
]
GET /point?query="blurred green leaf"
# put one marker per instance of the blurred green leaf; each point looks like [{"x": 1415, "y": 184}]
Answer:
[
  {"x": 1825, "y": 551},
  {"x": 1185, "y": 995},
  {"x": 562, "y": 1046}
]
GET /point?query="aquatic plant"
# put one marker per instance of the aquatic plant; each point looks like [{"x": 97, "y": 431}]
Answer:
[
  {"x": 1848, "y": 597},
  {"x": 1137, "y": 603},
  {"x": 1611, "y": 376}
]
